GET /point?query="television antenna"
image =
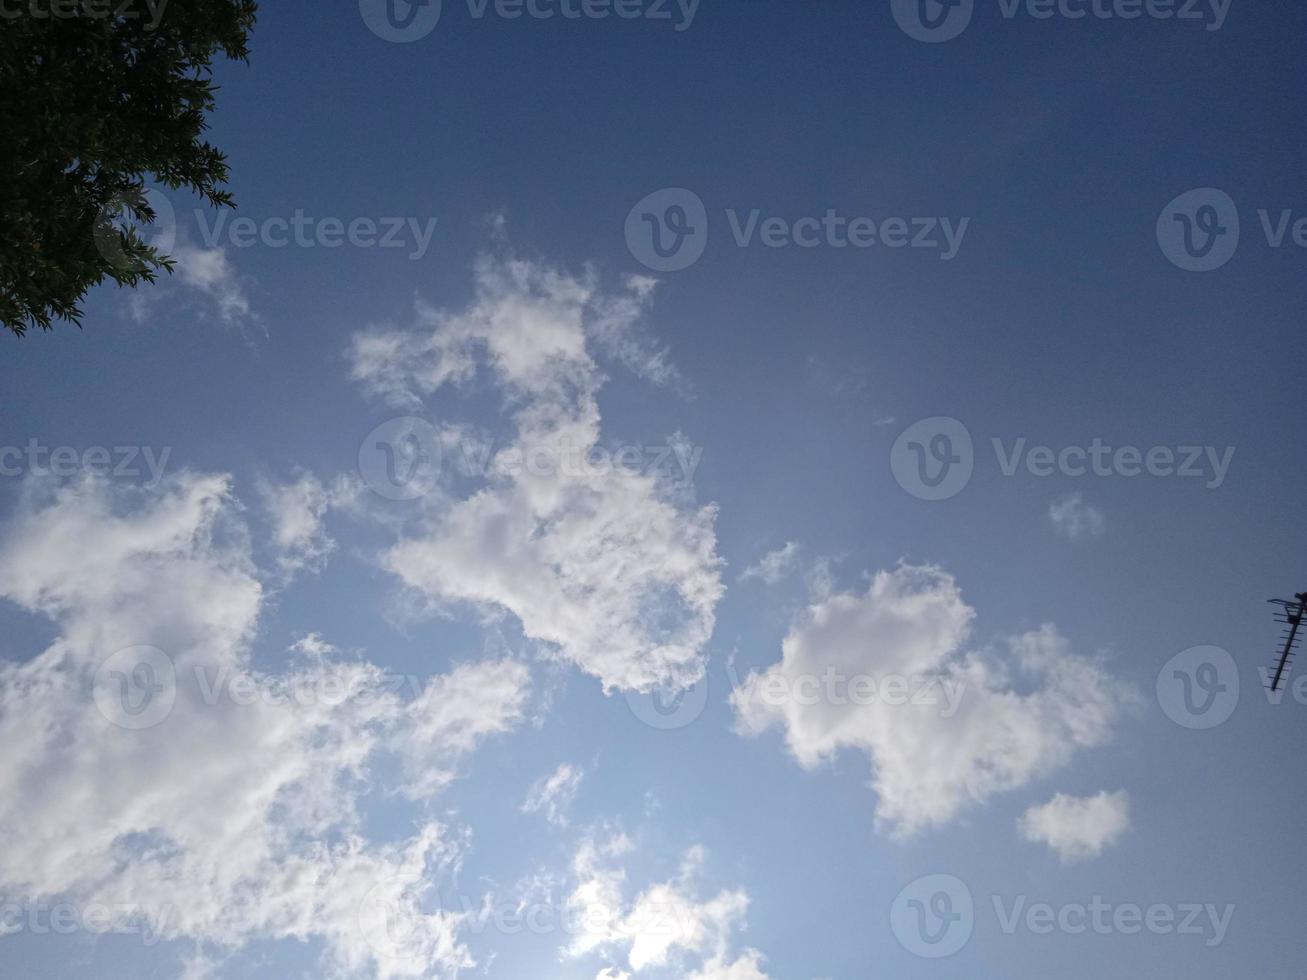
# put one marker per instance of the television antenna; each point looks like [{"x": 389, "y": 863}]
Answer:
[{"x": 1290, "y": 614}]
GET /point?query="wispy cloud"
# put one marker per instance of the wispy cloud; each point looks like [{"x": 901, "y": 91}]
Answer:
[
  {"x": 1076, "y": 519},
  {"x": 552, "y": 795},
  {"x": 773, "y": 566}
]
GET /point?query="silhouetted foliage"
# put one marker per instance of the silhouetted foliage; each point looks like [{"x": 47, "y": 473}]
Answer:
[{"x": 94, "y": 96}]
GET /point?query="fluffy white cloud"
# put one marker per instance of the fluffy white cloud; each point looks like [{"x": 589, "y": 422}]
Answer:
[
  {"x": 853, "y": 674},
  {"x": 234, "y": 815},
  {"x": 1077, "y": 828},
  {"x": 773, "y": 566},
  {"x": 1074, "y": 518},
  {"x": 662, "y": 925},
  {"x": 603, "y": 564},
  {"x": 552, "y": 795}
]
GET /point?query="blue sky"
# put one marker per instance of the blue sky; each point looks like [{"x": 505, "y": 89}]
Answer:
[{"x": 514, "y": 637}]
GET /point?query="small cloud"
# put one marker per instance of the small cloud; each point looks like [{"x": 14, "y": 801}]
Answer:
[
  {"x": 552, "y": 795},
  {"x": 1077, "y": 828},
  {"x": 1075, "y": 519},
  {"x": 204, "y": 271},
  {"x": 211, "y": 272},
  {"x": 296, "y": 512},
  {"x": 839, "y": 380},
  {"x": 773, "y": 566}
]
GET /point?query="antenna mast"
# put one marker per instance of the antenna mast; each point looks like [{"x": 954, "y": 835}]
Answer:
[{"x": 1290, "y": 613}]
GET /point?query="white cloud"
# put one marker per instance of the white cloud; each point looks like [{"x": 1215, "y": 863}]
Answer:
[
  {"x": 616, "y": 331},
  {"x": 211, "y": 272},
  {"x": 454, "y": 713},
  {"x": 773, "y": 566},
  {"x": 1073, "y": 518},
  {"x": 603, "y": 565},
  {"x": 296, "y": 511},
  {"x": 552, "y": 795},
  {"x": 747, "y": 967},
  {"x": 663, "y": 925},
  {"x": 1022, "y": 712},
  {"x": 206, "y": 272},
  {"x": 234, "y": 818},
  {"x": 1077, "y": 828}
]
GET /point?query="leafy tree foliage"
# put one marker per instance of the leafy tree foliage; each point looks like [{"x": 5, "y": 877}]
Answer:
[{"x": 95, "y": 95}]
